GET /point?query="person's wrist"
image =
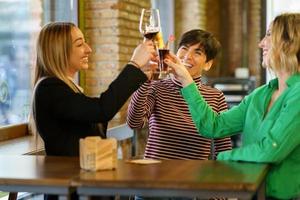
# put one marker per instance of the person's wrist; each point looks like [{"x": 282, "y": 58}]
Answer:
[
  {"x": 187, "y": 82},
  {"x": 132, "y": 62}
]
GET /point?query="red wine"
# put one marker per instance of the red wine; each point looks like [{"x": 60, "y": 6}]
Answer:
[
  {"x": 163, "y": 53},
  {"x": 150, "y": 35}
]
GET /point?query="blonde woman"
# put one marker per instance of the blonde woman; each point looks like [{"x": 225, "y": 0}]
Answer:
[
  {"x": 269, "y": 117},
  {"x": 62, "y": 113}
]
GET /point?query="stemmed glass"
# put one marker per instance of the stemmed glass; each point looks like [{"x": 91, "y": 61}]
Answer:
[
  {"x": 149, "y": 28},
  {"x": 149, "y": 23}
]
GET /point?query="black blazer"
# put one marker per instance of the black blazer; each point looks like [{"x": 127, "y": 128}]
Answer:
[{"x": 63, "y": 117}]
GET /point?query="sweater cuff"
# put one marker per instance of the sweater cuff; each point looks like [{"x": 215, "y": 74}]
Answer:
[
  {"x": 225, "y": 155},
  {"x": 138, "y": 72}
]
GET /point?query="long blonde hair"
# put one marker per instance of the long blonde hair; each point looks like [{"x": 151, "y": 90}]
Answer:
[
  {"x": 285, "y": 40},
  {"x": 54, "y": 46}
]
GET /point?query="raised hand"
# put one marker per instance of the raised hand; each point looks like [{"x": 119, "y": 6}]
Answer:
[
  {"x": 143, "y": 53},
  {"x": 150, "y": 69},
  {"x": 178, "y": 70}
]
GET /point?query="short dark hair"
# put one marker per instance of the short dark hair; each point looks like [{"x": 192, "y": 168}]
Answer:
[{"x": 206, "y": 40}]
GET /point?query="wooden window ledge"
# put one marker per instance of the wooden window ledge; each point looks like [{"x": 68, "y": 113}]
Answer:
[
  {"x": 30, "y": 144},
  {"x": 22, "y": 145}
]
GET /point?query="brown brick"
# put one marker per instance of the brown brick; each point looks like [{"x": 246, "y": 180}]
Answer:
[
  {"x": 111, "y": 29},
  {"x": 99, "y": 23},
  {"x": 101, "y": 57},
  {"x": 103, "y": 14},
  {"x": 93, "y": 5},
  {"x": 103, "y": 40}
]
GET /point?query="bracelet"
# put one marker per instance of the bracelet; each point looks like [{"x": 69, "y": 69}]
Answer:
[{"x": 134, "y": 64}]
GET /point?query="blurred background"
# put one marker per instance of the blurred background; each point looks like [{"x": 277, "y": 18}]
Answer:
[{"x": 111, "y": 29}]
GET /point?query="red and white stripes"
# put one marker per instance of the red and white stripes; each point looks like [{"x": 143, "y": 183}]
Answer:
[{"x": 172, "y": 133}]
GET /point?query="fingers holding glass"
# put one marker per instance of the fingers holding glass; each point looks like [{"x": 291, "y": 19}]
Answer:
[{"x": 178, "y": 70}]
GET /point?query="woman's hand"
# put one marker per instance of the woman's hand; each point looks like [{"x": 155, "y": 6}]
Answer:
[
  {"x": 179, "y": 70},
  {"x": 150, "y": 69},
  {"x": 143, "y": 53}
]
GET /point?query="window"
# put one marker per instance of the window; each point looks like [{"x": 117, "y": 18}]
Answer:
[{"x": 20, "y": 22}]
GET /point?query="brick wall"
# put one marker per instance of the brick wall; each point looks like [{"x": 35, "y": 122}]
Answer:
[
  {"x": 189, "y": 15},
  {"x": 111, "y": 29}
]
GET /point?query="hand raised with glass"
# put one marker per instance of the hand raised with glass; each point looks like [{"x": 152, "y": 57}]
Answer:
[
  {"x": 142, "y": 57},
  {"x": 178, "y": 70}
]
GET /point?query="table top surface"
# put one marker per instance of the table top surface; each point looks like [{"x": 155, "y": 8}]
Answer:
[
  {"x": 169, "y": 174},
  {"x": 38, "y": 170},
  {"x": 178, "y": 174}
]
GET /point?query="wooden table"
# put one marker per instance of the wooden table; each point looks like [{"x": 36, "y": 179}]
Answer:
[
  {"x": 38, "y": 174},
  {"x": 176, "y": 178}
]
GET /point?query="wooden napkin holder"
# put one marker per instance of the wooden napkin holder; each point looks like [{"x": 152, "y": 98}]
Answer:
[{"x": 98, "y": 154}]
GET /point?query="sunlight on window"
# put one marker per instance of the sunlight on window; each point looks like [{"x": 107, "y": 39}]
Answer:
[{"x": 20, "y": 22}]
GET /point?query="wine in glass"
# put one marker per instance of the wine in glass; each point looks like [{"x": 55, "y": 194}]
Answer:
[
  {"x": 149, "y": 27},
  {"x": 149, "y": 23}
]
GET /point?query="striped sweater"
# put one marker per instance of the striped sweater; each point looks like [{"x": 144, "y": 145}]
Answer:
[{"x": 172, "y": 133}]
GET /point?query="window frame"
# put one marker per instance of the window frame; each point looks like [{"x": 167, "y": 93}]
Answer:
[{"x": 20, "y": 129}]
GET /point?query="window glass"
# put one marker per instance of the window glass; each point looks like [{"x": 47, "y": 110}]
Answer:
[{"x": 20, "y": 22}]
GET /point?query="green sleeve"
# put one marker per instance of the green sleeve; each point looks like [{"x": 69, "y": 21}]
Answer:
[
  {"x": 279, "y": 141},
  {"x": 209, "y": 123}
]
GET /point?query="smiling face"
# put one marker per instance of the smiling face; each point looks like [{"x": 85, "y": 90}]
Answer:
[
  {"x": 265, "y": 45},
  {"x": 194, "y": 58},
  {"x": 80, "y": 52}
]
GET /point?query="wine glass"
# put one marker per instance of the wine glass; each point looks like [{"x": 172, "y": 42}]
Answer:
[
  {"x": 149, "y": 28},
  {"x": 149, "y": 23}
]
